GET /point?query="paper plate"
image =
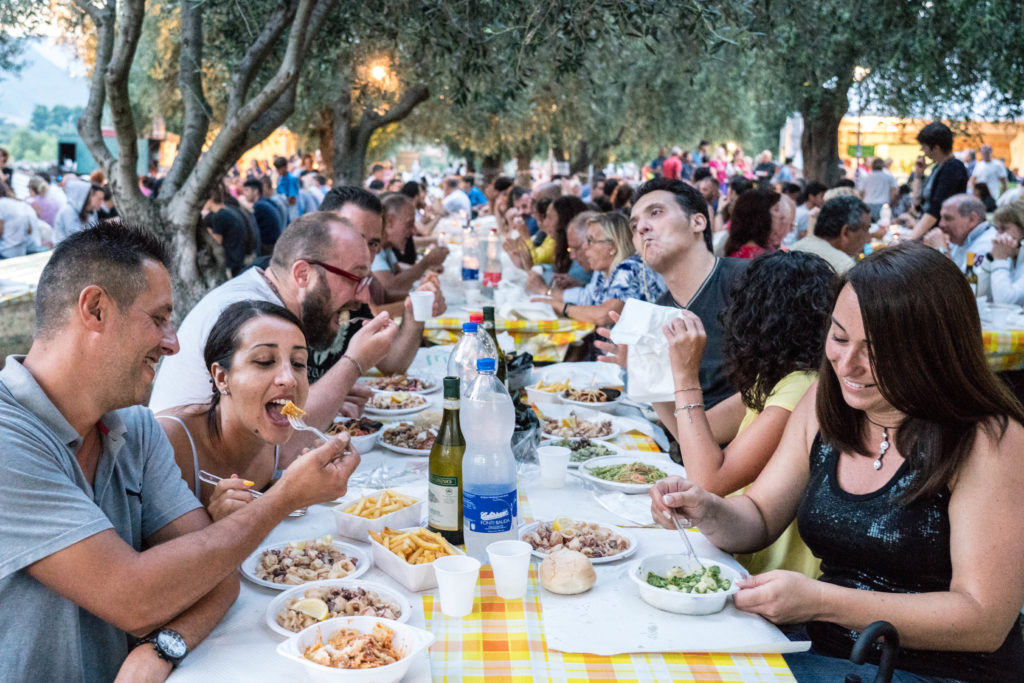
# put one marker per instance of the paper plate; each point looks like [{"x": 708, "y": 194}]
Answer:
[
  {"x": 663, "y": 463},
  {"x": 633, "y": 544},
  {"x": 278, "y": 603},
  {"x": 363, "y": 563}
]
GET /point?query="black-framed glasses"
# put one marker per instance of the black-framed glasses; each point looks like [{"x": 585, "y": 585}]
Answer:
[{"x": 361, "y": 282}]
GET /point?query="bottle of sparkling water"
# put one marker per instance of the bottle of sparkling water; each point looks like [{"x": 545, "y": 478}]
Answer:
[{"x": 490, "y": 506}]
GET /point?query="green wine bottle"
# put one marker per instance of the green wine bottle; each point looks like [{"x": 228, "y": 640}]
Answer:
[
  {"x": 444, "y": 506},
  {"x": 501, "y": 370}
]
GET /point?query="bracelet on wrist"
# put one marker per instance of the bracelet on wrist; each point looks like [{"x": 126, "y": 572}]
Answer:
[
  {"x": 565, "y": 309},
  {"x": 696, "y": 388},
  {"x": 359, "y": 368},
  {"x": 688, "y": 407}
]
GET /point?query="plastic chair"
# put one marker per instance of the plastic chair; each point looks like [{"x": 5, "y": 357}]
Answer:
[{"x": 890, "y": 646}]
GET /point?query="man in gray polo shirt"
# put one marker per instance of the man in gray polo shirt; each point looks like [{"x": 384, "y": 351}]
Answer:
[{"x": 101, "y": 538}]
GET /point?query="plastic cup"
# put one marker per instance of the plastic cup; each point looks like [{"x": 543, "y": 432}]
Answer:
[
  {"x": 554, "y": 465},
  {"x": 456, "y": 583},
  {"x": 510, "y": 561},
  {"x": 422, "y": 306}
]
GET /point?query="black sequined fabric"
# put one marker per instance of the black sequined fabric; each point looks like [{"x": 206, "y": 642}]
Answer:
[{"x": 873, "y": 542}]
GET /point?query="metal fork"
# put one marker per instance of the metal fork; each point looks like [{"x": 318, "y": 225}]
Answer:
[
  {"x": 214, "y": 479},
  {"x": 298, "y": 423},
  {"x": 686, "y": 539}
]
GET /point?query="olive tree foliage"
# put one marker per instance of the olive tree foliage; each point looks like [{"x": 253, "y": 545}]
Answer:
[
  {"x": 257, "y": 89},
  {"x": 19, "y": 19},
  {"x": 943, "y": 58}
]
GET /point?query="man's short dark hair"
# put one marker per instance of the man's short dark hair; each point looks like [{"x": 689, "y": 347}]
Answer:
[
  {"x": 254, "y": 185},
  {"x": 689, "y": 199},
  {"x": 700, "y": 173},
  {"x": 790, "y": 188},
  {"x": 937, "y": 134},
  {"x": 740, "y": 184},
  {"x": 811, "y": 189},
  {"x": 376, "y": 184},
  {"x": 109, "y": 255},
  {"x": 321, "y": 179},
  {"x": 307, "y": 237},
  {"x": 377, "y": 167},
  {"x": 845, "y": 182},
  {"x": 469, "y": 179},
  {"x": 703, "y": 142},
  {"x": 502, "y": 183},
  {"x": 394, "y": 201},
  {"x": 837, "y": 212},
  {"x": 411, "y": 189},
  {"x": 341, "y": 195},
  {"x": 280, "y": 162},
  {"x": 452, "y": 182}
]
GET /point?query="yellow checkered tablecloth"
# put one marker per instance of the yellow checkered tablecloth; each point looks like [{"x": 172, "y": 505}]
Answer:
[
  {"x": 1004, "y": 350},
  {"x": 503, "y": 640},
  {"x": 546, "y": 340}
]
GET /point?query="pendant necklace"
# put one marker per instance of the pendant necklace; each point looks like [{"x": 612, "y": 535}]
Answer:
[{"x": 882, "y": 447}]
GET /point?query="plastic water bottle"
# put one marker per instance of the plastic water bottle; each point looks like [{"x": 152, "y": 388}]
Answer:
[
  {"x": 470, "y": 258},
  {"x": 470, "y": 348},
  {"x": 885, "y": 216},
  {"x": 492, "y": 259},
  {"x": 490, "y": 505}
]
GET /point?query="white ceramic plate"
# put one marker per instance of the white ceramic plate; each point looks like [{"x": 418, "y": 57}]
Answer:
[
  {"x": 397, "y": 412},
  {"x": 432, "y": 385},
  {"x": 363, "y": 563},
  {"x": 278, "y": 603},
  {"x": 604, "y": 407},
  {"x": 615, "y": 450},
  {"x": 633, "y": 544},
  {"x": 664, "y": 463},
  {"x": 399, "y": 449},
  {"x": 611, "y": 435}
]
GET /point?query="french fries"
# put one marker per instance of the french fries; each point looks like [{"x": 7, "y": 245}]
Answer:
[
  {"x": 553, "y": 387},
  {"x": 375, "y": 507},
  {"x": 420, "y": 546}
]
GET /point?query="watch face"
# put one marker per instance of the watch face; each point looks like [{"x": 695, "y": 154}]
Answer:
[{"x": 172, "y": 644}]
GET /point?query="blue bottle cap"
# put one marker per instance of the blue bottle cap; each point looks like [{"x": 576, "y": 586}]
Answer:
[
  {"x": 469, "y": 327},
  {"x": 485, "y": 365}
]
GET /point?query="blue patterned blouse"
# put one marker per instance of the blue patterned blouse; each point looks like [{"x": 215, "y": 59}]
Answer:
[{"x": 626, "y": 282}]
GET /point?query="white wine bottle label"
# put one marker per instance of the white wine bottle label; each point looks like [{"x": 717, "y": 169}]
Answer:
[
  {"x": 443, "y": 503},
  {"x": 450, "y": 404},
  {"x": 489, "y": 513}
]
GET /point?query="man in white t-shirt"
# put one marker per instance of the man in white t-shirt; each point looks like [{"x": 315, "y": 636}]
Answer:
[
  {"x": 320, "y": 269},
  {"x": 879, "y": 187},
  {"x": 456, "y": 202},
  {"x": 989, "y": 171}
]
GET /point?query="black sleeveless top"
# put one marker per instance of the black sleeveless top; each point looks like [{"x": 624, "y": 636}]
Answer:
[{"x": 872, "y": 542}]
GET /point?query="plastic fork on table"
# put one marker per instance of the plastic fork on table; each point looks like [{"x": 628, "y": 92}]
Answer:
[{"x": 214, "y": 479}]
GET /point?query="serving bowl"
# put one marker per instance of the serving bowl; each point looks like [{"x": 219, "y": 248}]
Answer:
[
  {"x": 408, "y": 641},
  {"x": 415, "y": 577},
  {"x": 365, "y": 443},
  {"x": 614, "y": 398},
  {"x": 357, "y": 527},
  {"x": 677, "y": 601},
  {"x": 278, "y": 603}
]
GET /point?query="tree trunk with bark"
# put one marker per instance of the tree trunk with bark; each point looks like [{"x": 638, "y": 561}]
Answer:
[
  {"x": 352, "y": 138},
  {"x": 523, "y": 176},
  {"x": 250, "y": 117},
  {"x": 490, "y": 167},
  {"x": 819, "y": 140}
]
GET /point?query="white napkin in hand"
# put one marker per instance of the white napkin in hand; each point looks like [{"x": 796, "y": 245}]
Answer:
[{"x": 647, "y": 362}]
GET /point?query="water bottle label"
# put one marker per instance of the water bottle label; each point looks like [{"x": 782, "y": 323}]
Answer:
[
  {"x": 443, "y": 502},
  {"x": 491, "y": 279},
  {"x": 470, "y": 273},
  {"x": 489, "y": 514}
]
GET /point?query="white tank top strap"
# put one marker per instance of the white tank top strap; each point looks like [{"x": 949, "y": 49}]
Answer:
[{"x": 195, "y": 455}]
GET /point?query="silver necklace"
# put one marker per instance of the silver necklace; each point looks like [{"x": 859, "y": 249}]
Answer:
[{"x": 882, "y": 448}]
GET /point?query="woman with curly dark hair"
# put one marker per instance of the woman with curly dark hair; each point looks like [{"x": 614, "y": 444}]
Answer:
[
  {"x": 750, "y": 227},
  {"x": 774, "y": 338}
]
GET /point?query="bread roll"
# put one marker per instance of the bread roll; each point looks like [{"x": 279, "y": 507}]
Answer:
[{"x": 567, "y": 572}]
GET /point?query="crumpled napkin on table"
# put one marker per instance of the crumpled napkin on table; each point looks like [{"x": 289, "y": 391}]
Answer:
[
  {"x": 527, "y": 310},
  {"x": 647, "y": 361}
]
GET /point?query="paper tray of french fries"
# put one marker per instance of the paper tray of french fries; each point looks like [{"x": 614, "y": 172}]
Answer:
[
  {"x": 407, "y": 555},
  {"x": 375, "y": 511}
]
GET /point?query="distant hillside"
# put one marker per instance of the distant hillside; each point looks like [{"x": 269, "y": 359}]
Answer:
[{"x": 48, "y": 77}]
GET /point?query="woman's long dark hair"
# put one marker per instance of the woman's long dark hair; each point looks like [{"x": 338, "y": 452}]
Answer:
[
  {"x": 567, "y": 208},
  {"x": 224, "y": 339},
  {"x": 924, "y": 343},
  {"x": 776, "y": 321},
  {"x": 751, "y": 219}
]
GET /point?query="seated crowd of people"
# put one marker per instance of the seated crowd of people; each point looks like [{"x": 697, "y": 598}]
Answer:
[{"x": 851, "y": 478}]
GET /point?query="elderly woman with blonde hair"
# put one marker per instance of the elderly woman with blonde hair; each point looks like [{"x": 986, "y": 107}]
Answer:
[
  {"x": 619, "y": 273},
  {"x": 1001, "y": 276}
]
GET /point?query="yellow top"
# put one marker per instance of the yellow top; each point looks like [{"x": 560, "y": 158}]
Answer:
[
  {"x": 788, "y": 551},
  {"x": 545, "y": 253}
]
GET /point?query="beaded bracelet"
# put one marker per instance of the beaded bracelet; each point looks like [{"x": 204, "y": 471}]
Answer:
[
  {"x": 359, "y": 368},
  {"x": 688, "y": 407}
]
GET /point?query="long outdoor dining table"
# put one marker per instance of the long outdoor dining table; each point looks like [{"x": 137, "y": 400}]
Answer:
[{"x": 502, "y": 640}]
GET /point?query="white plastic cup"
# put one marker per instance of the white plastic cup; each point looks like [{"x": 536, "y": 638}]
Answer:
[
  {"x": 554, "y": 465},
  {"x": 456, "y": 583},
  {"x": 422, "y": 306},
  {"x": 510, "y": 561}
]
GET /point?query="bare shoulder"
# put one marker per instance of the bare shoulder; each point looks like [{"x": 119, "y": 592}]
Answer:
[{"x": 996, "y": 458}]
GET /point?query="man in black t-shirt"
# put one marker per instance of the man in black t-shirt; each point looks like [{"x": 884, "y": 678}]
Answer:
[
  {"x": 671, "y": 218},
  {"x": 230, "y": 230},
  {"x": 948, "y": 177}
]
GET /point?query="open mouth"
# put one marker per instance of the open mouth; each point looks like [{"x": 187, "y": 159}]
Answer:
[
  {"x": 273, "y": 409},
  {"x": 854, "y": 385}
]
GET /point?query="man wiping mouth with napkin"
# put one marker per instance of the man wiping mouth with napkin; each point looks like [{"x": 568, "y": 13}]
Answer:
[{"x": 670, "y": 224}]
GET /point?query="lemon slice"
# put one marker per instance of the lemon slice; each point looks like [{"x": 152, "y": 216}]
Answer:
[
  {"x": 562, "y": 522},
  {"x": 313, "y": 607}
]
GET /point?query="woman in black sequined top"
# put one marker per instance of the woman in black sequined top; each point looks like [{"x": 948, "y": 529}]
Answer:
[{"x": 911, "y": 495}]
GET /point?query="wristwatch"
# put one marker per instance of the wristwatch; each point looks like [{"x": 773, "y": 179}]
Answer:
[{"x": 169, "y": 645}]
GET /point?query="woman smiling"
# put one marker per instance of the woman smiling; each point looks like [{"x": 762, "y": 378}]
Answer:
[{"x": 256, "y": 353}]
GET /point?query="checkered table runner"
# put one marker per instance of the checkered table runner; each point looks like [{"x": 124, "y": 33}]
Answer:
[
  {"x": 1004, "y": 350},
  {"x": 546, "y": 340},
  {"x": 503, "y": 640}
]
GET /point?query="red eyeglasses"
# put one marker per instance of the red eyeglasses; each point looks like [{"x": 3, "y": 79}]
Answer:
[{"x": 361, "y": 282}]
